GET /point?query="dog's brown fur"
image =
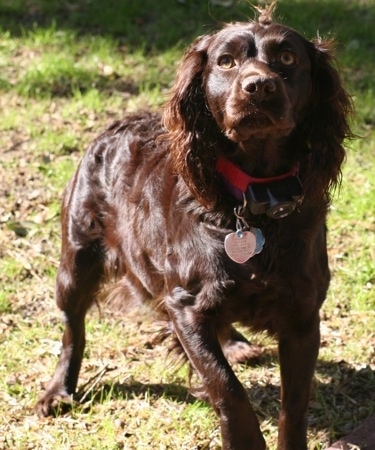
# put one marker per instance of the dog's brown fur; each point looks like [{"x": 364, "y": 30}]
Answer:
[{"x": 147, "y": 205}]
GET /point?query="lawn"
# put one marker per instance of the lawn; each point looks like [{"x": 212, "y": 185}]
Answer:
[{"x": 67, "y": 69}]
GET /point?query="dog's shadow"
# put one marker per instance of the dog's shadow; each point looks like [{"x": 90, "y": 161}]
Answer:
[
  {"x": 136, "y": 390},
  {"x": 342, "y": 396}
]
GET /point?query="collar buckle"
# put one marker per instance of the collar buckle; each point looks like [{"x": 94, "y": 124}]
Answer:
[{"x": 277, "y": 197}]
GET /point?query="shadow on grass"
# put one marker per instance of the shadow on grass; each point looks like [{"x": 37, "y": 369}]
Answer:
[
  {"x": 119, "y": 391},
  {"x": 154, "y": 27},
  {"x": 343, "y": 401},
  {"x": 160, "y": 25},
  {"x": 337, "y": 406}
]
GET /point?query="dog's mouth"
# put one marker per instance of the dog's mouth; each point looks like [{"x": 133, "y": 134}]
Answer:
[{"x": 260, "y": 124}]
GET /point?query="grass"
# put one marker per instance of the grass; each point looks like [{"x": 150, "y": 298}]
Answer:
[{"x": 66, "y": 70}]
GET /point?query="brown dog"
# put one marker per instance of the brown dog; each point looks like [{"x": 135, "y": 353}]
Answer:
[{"x": 216, "y": 215}]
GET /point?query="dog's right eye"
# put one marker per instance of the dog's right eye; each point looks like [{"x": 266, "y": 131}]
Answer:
[{"x": 226, "y": 62}]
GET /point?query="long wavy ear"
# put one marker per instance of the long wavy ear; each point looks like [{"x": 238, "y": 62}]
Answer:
[
  {"x": 328, "y": 122},
  {"x": 189, "y": 124}
]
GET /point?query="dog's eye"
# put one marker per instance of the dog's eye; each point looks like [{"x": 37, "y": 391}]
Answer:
[
  {"x": 287, "y": 58},
  {"x": 226, "y": 62}
]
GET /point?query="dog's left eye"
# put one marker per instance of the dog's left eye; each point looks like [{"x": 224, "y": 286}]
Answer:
[
  {"x": 226, "y": 62},
  {"x": 287, "y": 58}
]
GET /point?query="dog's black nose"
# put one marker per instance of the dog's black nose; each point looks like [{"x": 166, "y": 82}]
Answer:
[{"x": 259, "y": 87}]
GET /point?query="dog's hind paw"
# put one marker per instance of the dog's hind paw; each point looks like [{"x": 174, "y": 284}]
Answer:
[
  {"x": 237, "y": 349},
  {"x": 54, "y": 404}
]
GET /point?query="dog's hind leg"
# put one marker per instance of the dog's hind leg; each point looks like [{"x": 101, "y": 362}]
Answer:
[{"x": 78, "y": 279}]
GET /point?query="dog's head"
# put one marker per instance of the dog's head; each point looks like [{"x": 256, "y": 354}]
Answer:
[
  {"x": 257, "y": 80},
  {"x": 252, "y": 83}
]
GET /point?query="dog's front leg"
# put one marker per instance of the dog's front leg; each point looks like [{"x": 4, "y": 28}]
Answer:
[
  {"x": 298, "y": 354},
  {"x": 197, "y": 333}
]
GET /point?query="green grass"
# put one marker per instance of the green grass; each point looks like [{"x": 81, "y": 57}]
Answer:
[{"x": 67, "y": 69}]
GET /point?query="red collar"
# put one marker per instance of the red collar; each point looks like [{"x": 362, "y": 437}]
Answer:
[{"x": 237, "y": 181}]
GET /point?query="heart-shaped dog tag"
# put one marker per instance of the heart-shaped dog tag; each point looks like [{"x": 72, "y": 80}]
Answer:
[{"x": 240, "y": 246}]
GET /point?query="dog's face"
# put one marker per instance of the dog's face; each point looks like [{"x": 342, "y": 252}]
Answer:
[{"x": 257, "y": 80}]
